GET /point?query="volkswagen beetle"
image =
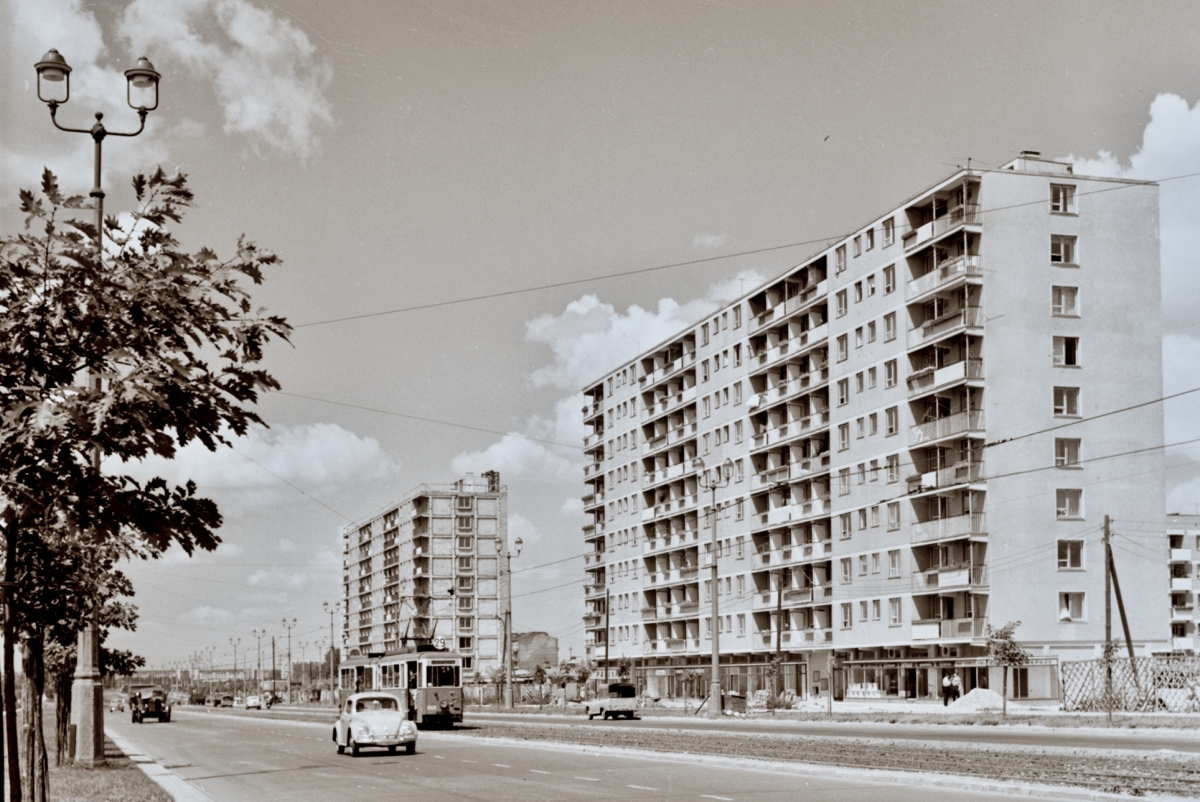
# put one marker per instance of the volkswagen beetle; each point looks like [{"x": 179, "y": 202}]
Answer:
[{"x": 373, "y": 720}]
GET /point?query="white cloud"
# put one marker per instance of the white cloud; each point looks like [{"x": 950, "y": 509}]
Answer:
[
  {"x": 287, "y": 546},
  {"x": 321, "y": 459},
  {"x": 709, "y": 240},
  {"x": 267, "y": 75},
  {"x": 521, "y": 527},
  {"x": 207, "y": 613},
  {"x": 278, "y": 579}
]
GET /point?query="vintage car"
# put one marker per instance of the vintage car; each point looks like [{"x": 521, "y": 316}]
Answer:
[
  {"x": 619, "y": 699},
  {"x": 149, "y": 703},
  {"x": 373, "y": 720},
  {"x": 116, "y": 705},
  {"x": 253, "y": 702}
]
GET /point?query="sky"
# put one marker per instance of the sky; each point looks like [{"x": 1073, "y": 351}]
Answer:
[{"x": 419, "y": 154}]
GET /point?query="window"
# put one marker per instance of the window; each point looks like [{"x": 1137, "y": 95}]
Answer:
[
  {"x": 724, "y": 320},
  {"x": 893, "y": 509},
  {"x": 858, "y": 337},
  {"x": 842, "y": 304},
  {"x": 844, "y": 483},
  {"x": 704, "y": 370},
  {"x": 862, "y": 475},
  {"x": 1064, "y": 301},
  {"x": 862, "y": 525},
  {"x": 858, "y": 245},
  {"x": 844, "y": 525},
  {"x": 893, "y": 468},
  {"x": 858, "y": 292},
  {"x": 843, "y": 386},
  {"x": 859, "y": 381},
  {"x": 737, "y": 356},
  {"x": 466, "y": 623},
  {"x": 843, "y": 348},
  {"x": 875, "y": 563},
  {"x": 863, "y": 563},
  {"x": 707, "y": 406},
  {"x": 1066, "y": 452},
  {"x": 862, "y": 610},
  {"x": 1066, "y": 352},
  {"x": 840, "y": 258},
  {"x": 741, "y": 624},
  {"x": 874, "y": 466},
  {"x": 1062, "y": 199},
  {"x": 889, "y": 279},
  {"x": 737, "y": 317},
  {"x": 843, "y": 436},
  {"x": 740, "y": 508},
  {"x": 466, "y": 604},
  {"x": 894, "y": 564},
  {"x": 871, "y": 332},
  {"x": 1070, "y": 554},
  {"x": 847, "y": 616},
  {"x": 741, "y": 585},
  {"x": 737, "y": 393},
  {"x": 875, "y": 517},
  {"x": 465, "y": 543},
  {"x": 874, "y": 419},
  {"x": 465, "y": 523},
  {"x": 706, "y": 439},
  {"x": 466, "y": 564},
  {"x": 871, "y": 378},
  {"x": 464, "y": 644},
  {"x": 889, "y": 327},
  {"x": 890, "y": 373},
  {"x": 1066, "y": 400},
  {"x": 466, "y": 584},
  {"x": 1069, "y": 503},
  {"x": 1062, "y": 249},
  {"x": 871, "y": 284},
  {"x": 894, "y": 612},
  {"x": 869, "y": 235},
  {"x": 1071, "y": 607},
  {"x": 893, "y": 420},
  {"x": 876, "y": 612},
  {"x": 738, "y": 471},
  {"x": 737, "y": 432},
  {"x": 704, "y": 334},
  {"x": 889, "y": 232}
]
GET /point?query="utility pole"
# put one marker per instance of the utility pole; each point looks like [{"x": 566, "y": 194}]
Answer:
[
  {"x": 289, "y": 657},
  {"x": 1108, "y": 700},
  {"x": 778, "y": 640},
  {"x": 331, "y": 609},
  {"x": 272, "y": 668},
  {"x": 829, "y": 676},
  {"x": 1111, "y": 566}
]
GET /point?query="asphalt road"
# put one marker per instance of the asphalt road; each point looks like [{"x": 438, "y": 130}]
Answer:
[
  {"x": 1076, "y": 738},
  {"x": 247, "y": 758}
]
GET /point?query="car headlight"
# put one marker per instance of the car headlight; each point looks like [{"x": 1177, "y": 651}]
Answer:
[
  {"x": 360, "y": 730},
  {"x": 408, "y": 728}
]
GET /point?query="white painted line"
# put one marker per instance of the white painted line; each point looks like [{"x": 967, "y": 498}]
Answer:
[
  {"x": 642, "y": 787},
  {"x": 589, "y": 779},
  {"x": 535, "y": 771},
  {"x": 440, "y": 757},
  {"x": 501, "y": 766},
  {"x": 464, "y": 760},
  {"x": 722, "y": 798}
]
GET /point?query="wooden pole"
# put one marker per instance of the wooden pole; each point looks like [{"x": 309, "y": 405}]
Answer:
[{"x": 1108, "y": 700}]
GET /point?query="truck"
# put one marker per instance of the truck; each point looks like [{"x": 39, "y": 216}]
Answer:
[
  {"x": 149, "y": 702},
  {"x": 619, "y": 700}
]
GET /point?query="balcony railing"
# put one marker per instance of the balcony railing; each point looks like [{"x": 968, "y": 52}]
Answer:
[
  {"x": 928, "y": 379},
  {"x": 958, "y": 526},
  {"x": 944, "y": 273},
  {"x": 969, "y": 420},
  {"x": 951, "y": 476},
  {"x": 949, "y": 628},
  {"x": 790, "y": 306},
  {"x": 949, "y": 577},
  {"x": 930, "y": 330},
  {"x": 966, "y": 214}
]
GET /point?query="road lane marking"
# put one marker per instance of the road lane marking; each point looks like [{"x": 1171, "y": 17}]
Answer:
[
  {"x": 722, "y": 798},
  {"x": 589, "y": 779},
  {"x": 642, "y": 787},
  {"x": 535, "y": 771},
  {"x": 501, "y": 766},
  {"x": 440, "y": 757},
  {"x": 464, "y": 760}
]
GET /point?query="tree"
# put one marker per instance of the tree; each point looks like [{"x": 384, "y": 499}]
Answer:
[
  {"x": 1004, "y": 651},
  {"x": 624, "y": 667},
  {"x": 168, "y": 343}
]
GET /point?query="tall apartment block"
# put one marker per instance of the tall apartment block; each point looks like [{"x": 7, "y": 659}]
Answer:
[
  {"x": 911, "y": 421},
  {"x": 428, "y": 568},
  {"x": 1183, "y": 540}
]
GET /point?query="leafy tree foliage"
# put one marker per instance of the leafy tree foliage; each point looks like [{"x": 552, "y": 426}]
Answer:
[
  {"x": 117, "y": 359},
  {"x": 1004, "y": 651}
]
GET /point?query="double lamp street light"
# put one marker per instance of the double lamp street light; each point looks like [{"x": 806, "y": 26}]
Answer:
[{"x": 54, "y": 89}]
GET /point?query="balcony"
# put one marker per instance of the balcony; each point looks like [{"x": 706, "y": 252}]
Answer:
[
  {"x": 953, "y": 528},
  {"x": 813, "y": 594},
  {"x": 593, "y": 560},
  {"x": 1181, "y": 555},
  {"x": 593, "y": 591},
  {"x": 791, "y": 430},
  {"x": 592, "y": 469},
  {"x": 594, "y": 440},
  {"x": 597, "y": 651},
  {"x": 795, "y": 345},
  {"x": 789, "y": 307},
  {"x": 805, "y": 508},
  {"x": 667, "y": 404},
  {"x": 1182, "y": 613},
  {"x": 675, "y": 540},
  {"x": 592, "y": 411},
  {"x": 927, "y": 380},
  {"x": 687, "y": 360},
  {"x": 1181, "y": 583},
  {"x": 592, "y": 620},
  {"x": 933, "y": 330},
  {"x": 943, "y": 274},
  {"x": 954, "y": 578},
  {"x": 967, "y": 214},
  {"x": 668, "y": 473},
  {"x": 949, "y": 629},
  {"x": 969, "y": 420},
  {"x": 1183, "y": 644},
  {"x": 959, "y": 474}
]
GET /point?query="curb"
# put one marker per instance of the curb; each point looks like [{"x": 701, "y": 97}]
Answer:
[
  {"x": 876, "y": 776},
  {"x": 180, "y": 789}
]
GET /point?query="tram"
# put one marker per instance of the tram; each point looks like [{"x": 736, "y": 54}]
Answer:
[{"x": 427, "y": 681}]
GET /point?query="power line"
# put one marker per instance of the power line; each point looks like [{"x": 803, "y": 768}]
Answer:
[{"x": 289, "y": 484}]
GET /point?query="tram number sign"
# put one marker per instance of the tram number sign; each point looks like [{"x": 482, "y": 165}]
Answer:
[{"x": 439, "y": 643}]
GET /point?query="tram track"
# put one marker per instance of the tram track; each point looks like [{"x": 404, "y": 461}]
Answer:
[{"x": 1133, "y": 773}]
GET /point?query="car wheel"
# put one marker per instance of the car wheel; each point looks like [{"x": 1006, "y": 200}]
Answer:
[
  {"x": 354, "y": 747},
  {"x": 167, "y": 718},
  {"x": 410, "y": 748},
  {"x": 340, "y": 748}
]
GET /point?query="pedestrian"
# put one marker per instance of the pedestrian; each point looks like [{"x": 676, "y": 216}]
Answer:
[
  {"x": 947, "y": 690},
  {"x": 956, "y": 685}
]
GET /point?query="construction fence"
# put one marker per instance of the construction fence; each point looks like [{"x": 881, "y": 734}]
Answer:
[{"x": 1160, "y": 683}]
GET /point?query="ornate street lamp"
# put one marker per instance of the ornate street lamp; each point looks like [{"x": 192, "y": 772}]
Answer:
[
  {"x": 711, "y": 481},
  {"x": 54, "y": 89}
]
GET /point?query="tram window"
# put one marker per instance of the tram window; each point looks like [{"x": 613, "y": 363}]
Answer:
[
  {"x": 389, "y": 676},
  {"x": 441, "y": 676},
  {"x": 347, "y": 677}
]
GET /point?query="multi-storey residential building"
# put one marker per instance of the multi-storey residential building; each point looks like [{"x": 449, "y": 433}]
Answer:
[
  {"x": 911, "y": 421},
  {"x": 1183, "y": 540},
  {"x": 428, "y": 568}
]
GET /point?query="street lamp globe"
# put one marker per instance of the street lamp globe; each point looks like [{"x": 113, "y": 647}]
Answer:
[
  {"x": 517, "y": 545},
  {"x": 144, "y": 78},
  {"x": 727, "y": 468},
  {"x": 53, "y": 70}
]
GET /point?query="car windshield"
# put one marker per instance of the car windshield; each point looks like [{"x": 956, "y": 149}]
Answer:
[{"x": 387, "y": 703}]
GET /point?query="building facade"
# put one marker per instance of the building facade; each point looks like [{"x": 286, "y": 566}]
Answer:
[
  {"x": 533, "y": 649},
  {"x": 910, "y": 422},
  {"x": 428, "y": 569},
  {"x": 1183, "y": 540}
]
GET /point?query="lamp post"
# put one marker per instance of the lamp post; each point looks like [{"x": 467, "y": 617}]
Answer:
[
  {"x": 87, "y": 711},
  {"x": 506, "y": 589},
  {"x": 289, "y": 660},
  {"x": 234, "y": 644},
  {"x": 711, "y": 482},
  {"x": 332, "y": 609},
  {"x": 258, "y": 635}
]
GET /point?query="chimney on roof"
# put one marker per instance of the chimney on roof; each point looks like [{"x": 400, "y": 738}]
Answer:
[{"x": 1031, "y": 154}]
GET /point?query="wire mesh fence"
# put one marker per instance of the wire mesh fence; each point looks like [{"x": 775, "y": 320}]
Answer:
[{"x": 1146, "y": 684}]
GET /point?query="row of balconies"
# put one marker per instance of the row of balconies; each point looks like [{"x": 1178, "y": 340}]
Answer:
[
  {"x": 784, "y": 390},
  {"x": 949, "y": 628},
  {"x": 792, "y": 637},
  {"x": 927, "y": 380},
  {"x": 792, "y": 555},
  {"x": 946, "y": 272},
  {"x": 780, "y": 435},
  {"x": 776, "y": 314},
  {"x": 959, "y": 577},
  {"x": 960, "y": 473},
  {"x": 796, "y": 471},
  {"x": 686, "y": 360},
  {"x": 968, "y": 420},
  {"x": 668, "y": 403},
  {"x": 791, "y": 347},
  {"x": 678, "y": 539},
  {"x": 670, "y": 507},
  {"x": 967, "y": 214},
  {"x": 933, "y": 330},
  {"x": 674, "y": 576},
  {"x": 798, "y": 511},
  {"x": 957, "y": 526},
  {"x": 810, "y": 594}
]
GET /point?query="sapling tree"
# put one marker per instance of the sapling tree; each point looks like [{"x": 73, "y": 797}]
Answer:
[{"x": 1005, "y": 652}]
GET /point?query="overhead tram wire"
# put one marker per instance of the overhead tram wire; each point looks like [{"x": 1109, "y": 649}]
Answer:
[{"x": 692, "y": 262}]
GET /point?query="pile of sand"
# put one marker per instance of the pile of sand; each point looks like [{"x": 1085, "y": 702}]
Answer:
[{"x": 979, "y": 699}]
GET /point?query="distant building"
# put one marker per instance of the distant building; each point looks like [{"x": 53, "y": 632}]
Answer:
[
  {"x": 533, "y": 649},
  {"x": 426, "y": 570},
  {"x": 1183, "y": 540},
  {"x": 910, "y": 422}
]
